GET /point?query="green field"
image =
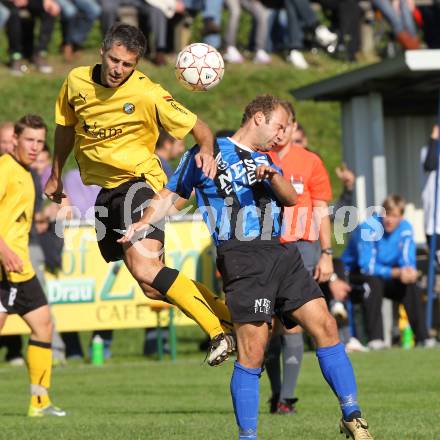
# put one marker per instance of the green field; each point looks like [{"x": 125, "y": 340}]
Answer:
[{"x": 133, "y": 398}]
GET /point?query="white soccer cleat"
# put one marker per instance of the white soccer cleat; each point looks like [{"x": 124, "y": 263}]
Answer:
[
  {"x": 49, "y": 410},
  {"x": 220, "y": 347},
  {"x": 338, "y": 310},
  {"x": 296, "y": 58}
]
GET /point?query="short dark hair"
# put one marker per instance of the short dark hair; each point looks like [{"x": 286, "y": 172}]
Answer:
[
  {"x": 125, "y": 35},
  {"x": 300, "y": 127},
  {"x": 265, "y": 104},
  {"x": 164, "y": 136},
  {"x": 29, "y": 121},
  {"x": 394, "y": 201},
  {"x": 289, "y": 109}
]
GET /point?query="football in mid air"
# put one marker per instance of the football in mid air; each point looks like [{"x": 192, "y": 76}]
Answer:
[{"x": 199, "y": 67}]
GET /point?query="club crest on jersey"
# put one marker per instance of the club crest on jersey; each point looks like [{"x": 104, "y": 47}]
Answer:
[
  {"x": 221, "y": 164},
  {"x": 129, "y": 108}
]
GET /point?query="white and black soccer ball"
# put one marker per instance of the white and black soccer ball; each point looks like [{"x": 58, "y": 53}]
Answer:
[{"x": 199, "y": 67}]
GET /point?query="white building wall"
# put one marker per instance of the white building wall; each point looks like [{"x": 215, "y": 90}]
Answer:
[
  {"x": 363, "y": 149},
  {"x": 404, "y": 138}
]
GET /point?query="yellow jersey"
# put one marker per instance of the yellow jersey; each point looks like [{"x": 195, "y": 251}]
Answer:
[
  {"x": 17, "y": 196},
  {"x": 116, "y": 129}
]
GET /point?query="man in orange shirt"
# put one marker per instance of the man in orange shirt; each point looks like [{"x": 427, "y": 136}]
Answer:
[{"x": 307, "y": 226}]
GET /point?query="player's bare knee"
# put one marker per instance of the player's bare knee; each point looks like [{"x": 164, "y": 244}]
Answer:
[
  {"x": 251, "y": 354},
  {"x": 43, "y": 331},
  {"x": 49, "y": 328},
  {"x": 3, "y": 317},
  {"x": 329, "y": 327},
  {"x": 145, "y": 273},
  {"x": 142, "y": 275}
]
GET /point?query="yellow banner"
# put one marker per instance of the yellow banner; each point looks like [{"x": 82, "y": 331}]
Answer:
[{"x": 89, "y": 294}]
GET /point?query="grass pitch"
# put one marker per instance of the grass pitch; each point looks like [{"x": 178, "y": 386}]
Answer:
[{"x": 133, "y": 398}]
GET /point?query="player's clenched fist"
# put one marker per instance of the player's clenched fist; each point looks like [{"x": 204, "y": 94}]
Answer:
[
  {"x": 265, "y": 172},
  {"x": 54, "y": 190},
  {"x": 10, "y": 260}
]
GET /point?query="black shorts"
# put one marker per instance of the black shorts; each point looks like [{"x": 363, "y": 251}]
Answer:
[
  {"x": 264, "y": 278},
  {"x": 21, "y": 298},
  {"x": 116, "y": 209}
]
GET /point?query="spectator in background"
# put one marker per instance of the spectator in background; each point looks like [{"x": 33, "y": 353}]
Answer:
[
  {"x": 160, "y": 11},
  {"x": 6, "y": 137},
  {"x": 430, "y": 160},
  {"x": 299, "y": 136},
  {"x": 346, "y": 16},
  {"x": 20, "y": 32},
  {"x": 152, "y": 18},
  {"x": 347, "y": 178},
  {"x": 77, "y": 18},
  {"x": 260, "y": 15},
  {"x": 168, "y": 148},
  {"x": 399, "y": 16},
  {"x": 381, "y": 256},
  {"x": 337, "y": 290},
  {"x": 212, "y": 16},
  {"x": 303, "y": 20},
  {"x": 431, "y": 24},
  {"x": 4, "y": 15},
  {"x": 109, "y": 12}
]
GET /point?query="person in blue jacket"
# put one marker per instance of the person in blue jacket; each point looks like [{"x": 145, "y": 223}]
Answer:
[{"x": 381, "y": 255}]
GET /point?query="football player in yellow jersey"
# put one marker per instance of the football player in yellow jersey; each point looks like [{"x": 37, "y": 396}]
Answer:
[
  {"x": 110, "y": 115},
  {"x": 20, "y": 291}
]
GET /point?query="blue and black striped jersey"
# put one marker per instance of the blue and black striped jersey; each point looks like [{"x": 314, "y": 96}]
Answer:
[{"x": 234, "y": 205}]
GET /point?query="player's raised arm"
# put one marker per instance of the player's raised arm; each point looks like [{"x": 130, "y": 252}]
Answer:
[
  {"x": 170, "y": 198},
  {"x": 161, "y": 205},
  {"x": 205, "y": 158},
  {"x": 64, "y": 141}
]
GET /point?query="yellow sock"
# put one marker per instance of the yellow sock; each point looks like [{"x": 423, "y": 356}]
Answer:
[
  {"x": 217, "y": 305},
  {"x": 184, "y": 293},
  {"x": 39, "y": 360}
]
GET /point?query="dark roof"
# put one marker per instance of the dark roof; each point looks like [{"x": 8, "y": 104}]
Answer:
[{"x": 409, "y": 84}]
